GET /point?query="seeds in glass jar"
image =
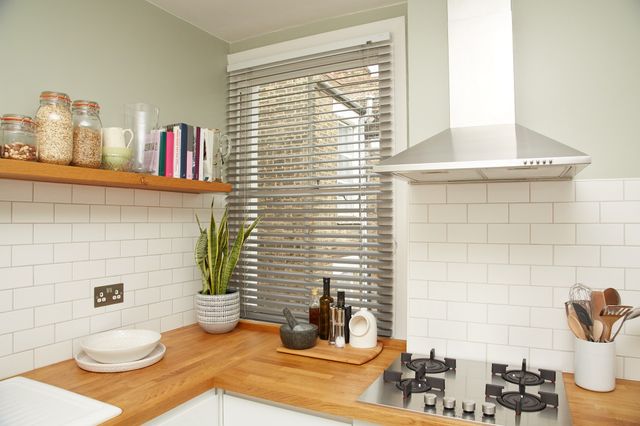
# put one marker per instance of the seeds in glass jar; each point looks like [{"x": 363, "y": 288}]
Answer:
[
  {"x": 19, "y": 151},
  {"x": 87, "y": 147},
  {"x": 54, "y": 133}
]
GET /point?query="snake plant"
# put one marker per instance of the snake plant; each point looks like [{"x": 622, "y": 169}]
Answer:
[{"x": 215, "y": 258}]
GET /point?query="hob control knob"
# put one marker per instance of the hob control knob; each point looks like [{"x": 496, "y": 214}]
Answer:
[
  {"x": 488, "y": 408},
  {"x": 430, "y": 399},
  {"x": 468, "y": 406},
  {"x": 449, "y": 402}
]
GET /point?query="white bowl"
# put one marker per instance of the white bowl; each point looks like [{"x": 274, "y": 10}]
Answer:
[{"x": 117, "y": 346}]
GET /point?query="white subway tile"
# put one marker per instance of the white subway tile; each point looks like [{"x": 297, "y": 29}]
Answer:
[
  {"x": 88, "y": 232},
  {"x": 183, "y": 304},
  {"x": 531, "y": 296},
  {"x": 432, "y": 309},
  {"x": 417, "y": 289},
  {"x": 488, "y": 213},
  {"x": 143, "y": 197},
  {"x": 189, "y": 317},
  {"x": 593, "y": 234},
  {"x": 508, "y": 192},
  {"x": 160, "y": 309},
  {"x": 35, "y": 254},
  {"x": 488, "y": 253},
  {"x": 88, "y": 269},
  {"x": 51, "y": 192},
  {"x": 71, "y": 329},
  {"x": 632, "y": 368},
  {"x": 160, "y": 277},
  {"x": 170, "y": 230},
  {"x": 620, "y": 212},
  {"x": 631, "y": 235},
  {"x": 632, "y": 189},
  {"x": 192, "y": 287},
  {"x": 21, "y": 276},
  {"x": 552, "y": 191},
  {"x": 553, "y": 234},
  {"x": 469, "y": 312},
  {"x": 135, "y": 315},
  {"x": 417, "y": 251},
  {"x": 467, "y": 272},
  {"x": 531, "y": 337},
  {"x": 467, "y": 193},
  {"x": 599, "y": 190},
  {"x": 170, "y": 261},
  {"x": 16, "y": 320},
  {"x": 576, "y": 212},
  {"x": 632, "y": 279},
  {"x": 428, "y": 194},
  {"x": 576, "y": 255},
  {"x": 69, "y": 252},
  {"x": 436, "y": 271},
  {"x": 439, "y": 290},
  {"x": 524, "y": 254},
  {"x": 124, "y": 265},
  {"x": 170, "y": 291},
  {"x": 147, "y": 230},
  {"x": 185, "y": 215},
  {"x": 28, "y": 297},
  {"x": 467, "y": 350},
  {"x": 509, "y": 274},
  {"x": 5, "y": 256},
  {"x": 33, "y": 338},
  {"x": 71, "y": 213},
  {"x": 511, "y": 355},
  {"x": 104, "y": 249},
  {"x": 51, "y": 233},
  {"x": 5, "y": 212},
  {"x": 530, "y": 213},
  {"x": 119, "y": 231},
  {"x": 147, "y": 263},
  {"x": 627, "y": 345},
  {"x": 447, "y": 213},
  {"x": 624, "y": 257},
  {"x": 555, "y": 318},
  {"x": 106, "y": 321},
  {"x": 447, "y": 329},
  {"x": 465, "y": 233},
  {"x": 105, "y": 214},
  {"x": 182, "y": 245},
  {"x": 418, "y": 213},
  {"x": 138, "y": 281},
  {"x": 487, "y": 293},
  {"x": 630, "y": 297},
  {"x": 147, "y": 295},
  {"x": 563, "y": 340},
  {"x": 119, "y": 196},
  {"x": 133, "y": 248},
  {"x": 170, "y": 199},
  {"x": 16, "y": 363},
  {"x": 51, "y": 314},
  {"x": 15, "y": 190},
  {"x": 82, "y": 194},
  {"x": 159, "y": 214},
  {"x": 85, "y": 308},
  {"x": 418, "y": 344},
  {"x": 72, "y": 290},
  {"x": 560, "y": 295},
  {"x": 512, "y": 233},
  {"x": 6, "y": 344},
  {"x": 192, "y": 200},
  {"x": 171, "y": 322},
  {"x": 51, "y": 354},
  {"x": 447, "y": 252},
  {"x": 557, "y": 276},
  {"x": 418, "y": 327},
  {"x": 6, "y": 301},
  {"x": 134, "y": 214},
  {"x": 16, "y": 234},
  {"x": 600, "y": 277},
  {"x": 553, "y": 360},
  {"x": 181, "y": 275},
  {"x": 487, "y": 333}
]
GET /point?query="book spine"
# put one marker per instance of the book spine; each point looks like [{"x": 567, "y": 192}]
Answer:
[
  {"x": 170, "y": 152},
  {"x": 162, "y": 154},
  {"x": 201, "y": 155},
  {"x": 196, "y": 168},
  {"x": 177, "y": 147},
  {"x": 184, "y": 138},
  {"x": 190, "y": 152}
]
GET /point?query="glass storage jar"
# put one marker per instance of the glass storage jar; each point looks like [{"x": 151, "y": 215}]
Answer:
[
  {"x": 87, "y": 134},
  {"x": 54, "y": 128},
  {"x": 18, "y": 138}
]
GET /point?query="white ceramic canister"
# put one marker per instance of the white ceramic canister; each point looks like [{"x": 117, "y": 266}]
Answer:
[
  {"x": 595, "y": 365},
  {"x": 363, "y": 330}
]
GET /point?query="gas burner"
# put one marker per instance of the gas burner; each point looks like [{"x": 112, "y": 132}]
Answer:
[
  {"x": 526, "y": 401},
  {"x": 414, "y": 385},
  {"x": 420, "y": 383},
  {"x": 522, "y": 376},
  {"x": 431, "y": 364}
]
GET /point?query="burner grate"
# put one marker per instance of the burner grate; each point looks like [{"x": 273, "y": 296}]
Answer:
[
  {"x": 431, "y": 365},
  {"x": 413, "y": 385},
  {"x": 520, "y": 377},
  {"x": 527, "y": 401}
]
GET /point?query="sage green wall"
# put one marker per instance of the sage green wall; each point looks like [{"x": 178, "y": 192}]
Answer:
[
  {"x": 114, "y": 52},
  {"x": 318, "y": 27},
  {"x": 577, "y": 78}
]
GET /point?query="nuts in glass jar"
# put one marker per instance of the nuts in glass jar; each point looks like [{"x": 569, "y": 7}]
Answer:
[{"x": 19, "y": 151}]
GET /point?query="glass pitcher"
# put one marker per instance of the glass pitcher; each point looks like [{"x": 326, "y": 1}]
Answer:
[
  {"x": 142, "y": 119},
  {"x": 221, "y": 153}
]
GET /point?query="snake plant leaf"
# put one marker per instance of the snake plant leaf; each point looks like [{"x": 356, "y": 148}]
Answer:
[
  {"x": 201, "y": 258},
  {"x": 234, "y": 255},
  {"x": 212, "y": 253}
]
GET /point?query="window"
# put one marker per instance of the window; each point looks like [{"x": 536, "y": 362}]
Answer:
[{"x": 306, "y": 132}]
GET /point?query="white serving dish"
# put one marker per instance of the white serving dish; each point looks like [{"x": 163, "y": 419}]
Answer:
[
  {"x": 118, "y": 346},
  {"x": 85, "y": 362}
]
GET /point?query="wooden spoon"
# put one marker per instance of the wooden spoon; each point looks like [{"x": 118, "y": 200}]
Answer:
[
  {"x": 598, "y": 329},
  {"x": 611, "y": 296},
  {"x": 575, "y": 326},
  {"x": 597, "y": 303}
]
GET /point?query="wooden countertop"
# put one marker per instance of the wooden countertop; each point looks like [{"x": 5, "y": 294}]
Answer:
[{"x": 245, "y": 362}]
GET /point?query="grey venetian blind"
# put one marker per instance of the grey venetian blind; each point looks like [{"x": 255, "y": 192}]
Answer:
[{"x": 305, "y": 135}]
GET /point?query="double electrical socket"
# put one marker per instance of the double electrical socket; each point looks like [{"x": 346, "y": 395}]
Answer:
[{"x": 108, "y": 295}]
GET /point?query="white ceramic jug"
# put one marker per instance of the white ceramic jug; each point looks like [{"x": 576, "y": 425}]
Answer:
[{"x": 363, "y": 329}]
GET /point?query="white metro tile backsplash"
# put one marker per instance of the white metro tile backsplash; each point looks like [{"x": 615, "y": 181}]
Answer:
[
  {"x": 58, "y": 241},
  {"x": 490, "y": 266}
]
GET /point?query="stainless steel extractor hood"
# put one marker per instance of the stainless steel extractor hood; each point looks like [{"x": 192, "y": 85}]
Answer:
[{"x": 478, "y": 147}]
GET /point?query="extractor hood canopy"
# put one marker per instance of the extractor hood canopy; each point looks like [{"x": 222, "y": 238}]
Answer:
[{"x": 481, "y": 92}]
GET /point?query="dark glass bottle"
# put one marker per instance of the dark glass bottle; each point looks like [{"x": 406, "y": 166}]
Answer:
[
  {"x": 314, "y": 308},
  {"x": 325, "y": 310}
]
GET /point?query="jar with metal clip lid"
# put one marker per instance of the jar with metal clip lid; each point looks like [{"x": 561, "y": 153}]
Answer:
[
  {"x": 54, "y": 128},
  {"x": 87, "y": 134},
  {"x": 18, "y": 138}
]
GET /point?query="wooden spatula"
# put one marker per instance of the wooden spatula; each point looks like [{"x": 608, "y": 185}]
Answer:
[{"x": 611, "y": 314}]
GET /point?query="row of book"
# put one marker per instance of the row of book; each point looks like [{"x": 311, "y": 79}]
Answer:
[{"x": 181, "y": 151}]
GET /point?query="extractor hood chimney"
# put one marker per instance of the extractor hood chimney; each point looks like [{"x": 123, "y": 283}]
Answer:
[{"x": 483, "y": 143}]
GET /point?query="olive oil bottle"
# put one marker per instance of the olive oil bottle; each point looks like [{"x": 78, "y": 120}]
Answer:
[{"x": 325, "y": 310}]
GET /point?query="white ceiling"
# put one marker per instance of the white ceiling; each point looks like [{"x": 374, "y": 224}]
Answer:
[{"x": 235, "y": 20}]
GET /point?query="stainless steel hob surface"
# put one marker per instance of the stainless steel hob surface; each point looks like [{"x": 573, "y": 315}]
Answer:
[{"x": 466, "y": 384}]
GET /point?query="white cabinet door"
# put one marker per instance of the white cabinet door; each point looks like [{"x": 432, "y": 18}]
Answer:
[
  {"x": 243, "y": 412},
  {"x": 203, "y": 410}
]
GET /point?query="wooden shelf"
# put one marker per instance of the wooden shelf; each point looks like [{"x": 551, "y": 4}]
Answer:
[{"x": 43, "y": 172}]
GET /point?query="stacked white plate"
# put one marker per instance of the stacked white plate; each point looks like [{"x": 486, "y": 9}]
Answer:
[{"x": 120, "y": 350}]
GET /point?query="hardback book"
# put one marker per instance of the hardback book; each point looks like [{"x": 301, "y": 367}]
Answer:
[
  {"x": 162, "y": 154},
  {"x": 169, "y": 155},
  {"x": 196, "y": 169},
  {"x": 190, "y": 160},
  {"x": 177, "y": 151}
]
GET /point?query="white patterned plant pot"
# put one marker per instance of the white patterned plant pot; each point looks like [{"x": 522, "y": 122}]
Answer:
[{"x": 218, "y": 313}]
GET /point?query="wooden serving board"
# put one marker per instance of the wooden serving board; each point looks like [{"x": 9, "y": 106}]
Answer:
[{"x": 348, "y": 354}]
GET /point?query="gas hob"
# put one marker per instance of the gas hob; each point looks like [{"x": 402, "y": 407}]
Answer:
[{"x": 474, "y": 391}]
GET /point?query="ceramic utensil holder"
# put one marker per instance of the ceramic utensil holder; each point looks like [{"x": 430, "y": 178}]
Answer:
[{"x": 595, "y": 365}]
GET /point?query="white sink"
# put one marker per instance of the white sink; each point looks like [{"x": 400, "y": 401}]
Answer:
[{"x": 28, "y": 402}]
